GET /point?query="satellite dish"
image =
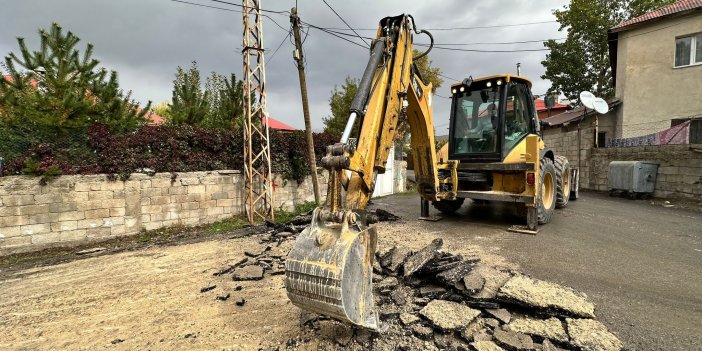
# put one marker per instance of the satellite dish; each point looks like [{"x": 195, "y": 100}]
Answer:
[
  {"x": 588, "y": 99},
  {"x": 601, "y": 106}
]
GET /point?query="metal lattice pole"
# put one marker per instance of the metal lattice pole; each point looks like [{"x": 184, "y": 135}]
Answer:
[{"x": 258, "y": 182}]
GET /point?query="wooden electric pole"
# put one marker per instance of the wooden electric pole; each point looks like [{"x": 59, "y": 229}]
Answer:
[{"x": 300, "y": 60}]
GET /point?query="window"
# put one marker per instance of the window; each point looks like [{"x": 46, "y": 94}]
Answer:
[
  {"x": 516, "y": 116},
  {"x": 688, "y": 50},
  {"x": 476, "y": 121},
  {"x": 601, "y": 139}
]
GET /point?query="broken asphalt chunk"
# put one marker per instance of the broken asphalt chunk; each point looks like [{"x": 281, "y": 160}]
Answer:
[
  {"x": 448, "y": 315},
  {"x": 396, "y": 258},
  {"x": 454, "y": 275},
  {"x": 257, "y": 252},
  {"x": 485, "y": 346},
  {"x": 501, "y": 314},
  {"x": 386, "y": 285},
  {"x": 547, "y": 297},
  {"x": 473, "y": 282},
  {"x": 408, "y": 319},
  {"x": 417, "y": 261},
  {"x": 513, "y": 340},
  {"x": 431, "y": 291},
  {"x": 422, "y": 332},
  {"x": 591, "y": 335},
  {"x": 253, "y": 272},
  {"x": 208, "y": 288},
  {"x": 223, "y": 297},
  {"x": 551, "y": 328}
]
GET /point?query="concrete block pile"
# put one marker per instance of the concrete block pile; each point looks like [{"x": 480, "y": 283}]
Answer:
[{"x": 431, "y": 299}]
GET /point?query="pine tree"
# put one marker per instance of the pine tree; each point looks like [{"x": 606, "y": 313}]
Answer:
[
  {"x": 190, "y": 105},
  {"x": 230, "y": 111},
  {"x": 58, "y": 85}
]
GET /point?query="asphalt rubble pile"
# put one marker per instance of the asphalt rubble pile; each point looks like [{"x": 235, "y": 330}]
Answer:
[{"x": 434, "y": 300}]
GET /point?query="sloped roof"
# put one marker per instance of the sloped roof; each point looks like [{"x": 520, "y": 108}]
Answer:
[
  {"x": 541, "y": 105},
  {"x": 675, "y": 8},
  {"x": 278, "y": 125},
  {"x": 576, "y": 114}
]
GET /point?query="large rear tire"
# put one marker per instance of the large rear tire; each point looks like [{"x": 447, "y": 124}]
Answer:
[
  {"x": 547, "y": 196},
  {"x": 448, "y": 206},
  {"x": 563, "y": 181}
]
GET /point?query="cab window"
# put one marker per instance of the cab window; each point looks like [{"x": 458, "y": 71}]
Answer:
[{"x": 517, "y": 117}]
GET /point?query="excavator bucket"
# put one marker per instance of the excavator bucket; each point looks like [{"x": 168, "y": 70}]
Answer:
[{"x": 329, "y": 270}]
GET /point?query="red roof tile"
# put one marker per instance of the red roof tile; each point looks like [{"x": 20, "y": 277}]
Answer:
[
  {"x": 674, "y": 8},
  {"x": 541, "y": 105},
  {"x": 278, "y": 125}
]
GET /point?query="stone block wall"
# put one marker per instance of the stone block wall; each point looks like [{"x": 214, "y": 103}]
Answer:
[
  {"x": 76, "y": 209},
  {"x": 564, "y": 142},
  {"x": 679, "y": 170}
]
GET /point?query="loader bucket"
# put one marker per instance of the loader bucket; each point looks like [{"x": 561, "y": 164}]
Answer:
[{"x": 329, "y": 271}]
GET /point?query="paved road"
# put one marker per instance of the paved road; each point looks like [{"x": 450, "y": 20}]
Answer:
[{"x": 641, "y": 264}]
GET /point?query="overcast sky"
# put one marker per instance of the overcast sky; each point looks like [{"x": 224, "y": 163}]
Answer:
[{"x": 145, "y": 40}]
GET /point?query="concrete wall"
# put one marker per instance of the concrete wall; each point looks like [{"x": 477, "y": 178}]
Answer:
[
  {"x": 564, "y": 141},
  {"x": 77, "y": 209},
  {"x": 679, "y": 173},
  {"x": 652, "y": 90}
]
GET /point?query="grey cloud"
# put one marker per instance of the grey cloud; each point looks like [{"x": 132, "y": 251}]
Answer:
[{"x": 146, "y": 40}]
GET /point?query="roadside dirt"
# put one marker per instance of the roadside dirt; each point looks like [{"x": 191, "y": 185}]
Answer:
[{"x": 150, "y": 299}]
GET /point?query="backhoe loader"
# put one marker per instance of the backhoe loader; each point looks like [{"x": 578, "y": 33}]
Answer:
[{"x": 495, "y": 152}]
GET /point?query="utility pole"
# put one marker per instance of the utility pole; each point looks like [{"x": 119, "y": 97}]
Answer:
[
  {"x": 299, "y": 57},
  {"x": 258, "y": 180},
  {"x": 519, "y": 68}
]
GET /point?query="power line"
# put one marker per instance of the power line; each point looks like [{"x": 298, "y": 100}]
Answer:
[
  {"x": 279, "y": 46},
  {"x": 487, "y": 51},
  {"x": 492, "y": 43},
  {"x": 346, "y": 23},
  {"x": 242, "y": 6},
  {"x": 230, "y": 10},
  {"x": 467, "y": 28},
  {"x": 449, "y": 78},
  {"x": 208, "y": 6},
  {"x": 333, "y": 34},
  {"x": 439, "y": 45}
]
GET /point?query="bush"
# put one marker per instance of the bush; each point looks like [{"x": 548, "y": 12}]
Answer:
[{"x": 179, "y": 148}]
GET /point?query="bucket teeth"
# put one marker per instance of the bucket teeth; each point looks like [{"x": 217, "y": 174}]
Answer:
[{"x": 333, "y": 280}]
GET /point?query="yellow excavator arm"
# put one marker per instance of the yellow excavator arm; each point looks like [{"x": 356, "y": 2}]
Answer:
[{"x": 329, "y": 270}]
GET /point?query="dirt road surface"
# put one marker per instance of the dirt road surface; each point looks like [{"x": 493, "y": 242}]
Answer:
[{"x": 640, "y": 264}]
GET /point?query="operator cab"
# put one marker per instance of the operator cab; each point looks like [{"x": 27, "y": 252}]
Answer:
[{"x": 489, "y": 117}]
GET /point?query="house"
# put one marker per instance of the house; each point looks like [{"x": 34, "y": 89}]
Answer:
[
  {"x": 656, "y": 64},
  {"x": 544, "y": 112}
]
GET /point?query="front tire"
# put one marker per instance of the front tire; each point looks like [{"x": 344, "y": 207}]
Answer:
[
  {"x": 448, "y": 206},
  {"x": 563, "y": 181},
  {"x": 547, "y": 195}
]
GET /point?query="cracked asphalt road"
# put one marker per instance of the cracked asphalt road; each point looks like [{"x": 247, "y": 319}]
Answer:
[{"x": 641, "y": 264}]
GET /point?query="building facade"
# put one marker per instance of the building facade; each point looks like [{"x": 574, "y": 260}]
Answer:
[{"x": 657, "y": 68}]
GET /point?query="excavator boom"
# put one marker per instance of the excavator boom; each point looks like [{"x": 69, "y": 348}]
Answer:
[{"x": 329, "y": 270}]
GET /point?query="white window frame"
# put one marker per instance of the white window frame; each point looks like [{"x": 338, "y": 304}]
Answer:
[{"x": 693, "y": 50}]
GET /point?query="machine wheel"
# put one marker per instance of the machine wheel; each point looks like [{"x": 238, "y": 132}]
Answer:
[
  {"x": 448, "y": 206},
  {"x": 563, "y": 181},
  {"x": 547, "y": 197}
]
